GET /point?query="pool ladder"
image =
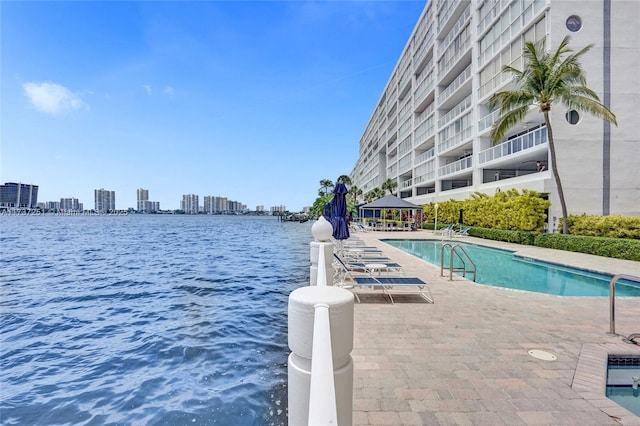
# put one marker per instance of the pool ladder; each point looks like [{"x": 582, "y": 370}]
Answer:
[
  {"x": 467, "y": 264},
  {"x": 612, "y": 307}
]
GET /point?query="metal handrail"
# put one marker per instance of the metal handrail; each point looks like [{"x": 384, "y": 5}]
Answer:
[
  {"x": 453, "y": 251},
  {"x": 612, "y": 298}
]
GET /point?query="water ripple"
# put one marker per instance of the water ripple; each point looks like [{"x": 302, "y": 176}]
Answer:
[{"x": 159, "y": 320}]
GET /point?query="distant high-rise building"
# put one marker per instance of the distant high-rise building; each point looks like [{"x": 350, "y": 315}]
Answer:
[
  {"x": 105, "y": 201},
  {"x": 142, "y": 196},
  {"x": 18, "y": 195},
  {"x": 210, "y": 204},
  {"x": 70, "y": 205},
  {"x": 189, "y": 204},
  {"x": 52, "y": 205},
  {"x": 144, "y": 205},
  {"x": 260, "y": 208},
  {"x": 278, "y": 209}
]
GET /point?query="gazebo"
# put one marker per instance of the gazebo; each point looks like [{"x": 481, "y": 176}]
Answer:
[{"x": 390, "y": 202}]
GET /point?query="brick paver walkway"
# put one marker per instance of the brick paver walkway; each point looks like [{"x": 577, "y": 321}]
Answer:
[{"x": 464, "y": 359}]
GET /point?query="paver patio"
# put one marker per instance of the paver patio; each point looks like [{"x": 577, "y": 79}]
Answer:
[{"x": 464, "y": 359}]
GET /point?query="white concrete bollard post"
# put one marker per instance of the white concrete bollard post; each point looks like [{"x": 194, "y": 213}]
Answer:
[
  {"x": 321, "y": 231},
  {"x": 302, "y": 303}
]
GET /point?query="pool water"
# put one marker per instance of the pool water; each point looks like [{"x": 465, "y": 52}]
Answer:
[
  {"x": 502, "y": 268},
  {"x": 620, "y": 375}
]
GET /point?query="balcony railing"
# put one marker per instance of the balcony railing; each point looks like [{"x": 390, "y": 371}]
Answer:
[
  {"x": 455, "y": 139},
  {"x": 404, "y": 164},
  {"x": 424, "y": 87},
  {"x": 488, "y": 120},
  {"x": 406, "y": 184},
  {"x": 515, "y": 145},
  {"x": 455, "y": 167},
  {"x": 464, "y": 76},
  {"x": 427, "y": 177},
  {"x": 457, "y": 26},
  {"x": 455, "y": 111},
  {"x": 446, "y": 11},
  {"x": 452, "y": 55},
  {"x": 425, "y": 156}
]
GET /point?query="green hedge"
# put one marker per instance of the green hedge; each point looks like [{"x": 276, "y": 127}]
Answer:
[
  {"x": 614, "y": 226},
  {"x": 618, "y": 248},
  {"x": 518, "y": 237}
]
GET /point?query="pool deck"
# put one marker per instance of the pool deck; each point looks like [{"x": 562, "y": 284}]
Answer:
[{"x": 464, "y": 359}]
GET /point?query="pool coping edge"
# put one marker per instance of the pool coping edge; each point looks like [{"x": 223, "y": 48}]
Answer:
[{"x": 590, "y": 378}]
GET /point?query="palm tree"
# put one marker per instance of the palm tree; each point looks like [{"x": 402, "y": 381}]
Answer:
[
  {"x": 317, "y": 209},
  {"x": 547, "y": 77},
  {"x": 355, "y": 192},
  {"x": 344, "y": 179},
  {"x": 326, "y": 184},
  {"x": 389, "y": 184},
  {"x": 370, "y": 196}
]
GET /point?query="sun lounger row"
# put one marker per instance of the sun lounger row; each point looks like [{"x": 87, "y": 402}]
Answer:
[
  {"x": 366, "y": 267},
  {"x": 449, "y": 231}
]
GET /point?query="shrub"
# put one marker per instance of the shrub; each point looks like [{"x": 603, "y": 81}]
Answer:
[
  {"x": 518, "y": 237},
  {"x": 508, "y": 210},
  {"x": 614, "y": 226},
  {"x": 618, "y": 248}
]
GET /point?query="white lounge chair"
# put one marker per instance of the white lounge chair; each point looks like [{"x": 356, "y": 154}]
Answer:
[
  {"x": 445, "y": 231},
  {"x": 464, "y": 232},
  {"x": 408, "y": 285}
]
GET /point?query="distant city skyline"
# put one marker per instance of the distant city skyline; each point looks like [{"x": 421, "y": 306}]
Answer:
[
  {"x": 105, "y": 200},
  {"x": 260, "y": 100}
]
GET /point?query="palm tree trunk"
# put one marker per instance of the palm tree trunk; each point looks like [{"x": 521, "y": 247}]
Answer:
[{"x": 556, "y": 176}]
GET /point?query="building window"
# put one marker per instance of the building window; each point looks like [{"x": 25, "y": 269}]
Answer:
[
  {"x": 574, "y": 23},
  {"x": 572, "y": 116}
]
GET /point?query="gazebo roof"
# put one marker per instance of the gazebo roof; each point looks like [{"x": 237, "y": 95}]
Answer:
[{"x": 390, "y": 202}]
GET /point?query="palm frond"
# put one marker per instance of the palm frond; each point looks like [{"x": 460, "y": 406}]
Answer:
[
  {"x": 594, "y": 107},
  {"x": 506, "y": 121}
]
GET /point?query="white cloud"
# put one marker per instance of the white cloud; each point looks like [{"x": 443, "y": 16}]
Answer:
[
  {"x": 147, "y": 88},
  {"x": 169, "y": 91},
  {"x": 53, "y": 98}
]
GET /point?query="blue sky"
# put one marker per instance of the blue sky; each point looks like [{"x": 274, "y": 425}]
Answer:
[{"x": 255, "y": 101}]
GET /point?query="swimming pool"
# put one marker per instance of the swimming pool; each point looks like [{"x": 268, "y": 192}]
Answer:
[
  {"x": 621, "y": 372},
  {"x": 502, "y": 268}
]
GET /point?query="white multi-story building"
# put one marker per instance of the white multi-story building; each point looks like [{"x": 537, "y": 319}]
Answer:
[
  {"x": 430, "y": 129},
  {"x": 216, "y": 205},
  {"x": 70, "y": 205},
  {"x": 276, "y": 210},
  {"x": 144, "y": 205},
  {"x": 142, "y": 196},
  {"x": 104, "y": 200},
  {"x": 189, "y": 204}
]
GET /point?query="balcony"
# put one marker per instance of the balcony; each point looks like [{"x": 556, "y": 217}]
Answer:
[
  {"x": 488, "y": 120},
  {"x": 466, "y": 74},
  {"x": 455, "y": 139},
  {"x": 406, "y": 184},
  {"x": 462, "y": 20},
  {"x": 513, "y": 146},
  {"x": 404, "y": 164},
  {"x": 452, "y": 55},
  {"x": 456, "y": 166},
  {"x": 455, "y": 111},
  {"x": 427, "y": 177},
  {"x": 425, "y": 156}
]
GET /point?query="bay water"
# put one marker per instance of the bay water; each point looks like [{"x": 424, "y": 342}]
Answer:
[{"x": 147, "y": 319}]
